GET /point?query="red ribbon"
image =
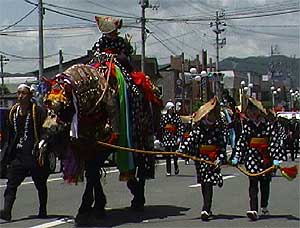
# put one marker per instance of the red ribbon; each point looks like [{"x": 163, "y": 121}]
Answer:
[
  {"x": 113, "y": 138},
  {"x": 146, "y": 85},
  {"x": 212, "y": 154},
  {"x": 171, "y": 128},
  {"x": 262, "y": 149},
  {"x": 185, "y": 135}
]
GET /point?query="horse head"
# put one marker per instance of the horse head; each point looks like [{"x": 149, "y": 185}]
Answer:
[{"x": 59, "y": 102}]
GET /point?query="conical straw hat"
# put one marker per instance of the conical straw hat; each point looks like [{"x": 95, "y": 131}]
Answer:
[
  {"x": 186, "y": 119},
  {"x": 257, "y": 104},
  {"x": 205, "y": 109}
]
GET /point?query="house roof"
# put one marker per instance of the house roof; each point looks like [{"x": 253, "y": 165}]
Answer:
[
  {"x": 55, "y": 68},
  {"x": 151, "y": 65}
]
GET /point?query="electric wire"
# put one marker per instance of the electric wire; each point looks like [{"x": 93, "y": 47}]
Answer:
[
  {"x": 111, "y": 9},
  {"x": 20, "y": 20},
  {"x": 26, "y": 57}
]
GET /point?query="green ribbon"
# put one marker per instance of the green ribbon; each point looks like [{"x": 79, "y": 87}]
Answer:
[{"x": 125, "y": 161}]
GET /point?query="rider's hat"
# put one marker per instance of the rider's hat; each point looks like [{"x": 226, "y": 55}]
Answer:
[{"x": 108, "y": 24}]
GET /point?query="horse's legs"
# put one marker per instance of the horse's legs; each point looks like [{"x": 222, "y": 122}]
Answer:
[
  {"x": 93, "y": 189},
  {"x": 100, "y": 199},
  {"x": 137, "y": 189},
  {"x": 93, "y": 186},
  {"x": 88, "y": 195}
]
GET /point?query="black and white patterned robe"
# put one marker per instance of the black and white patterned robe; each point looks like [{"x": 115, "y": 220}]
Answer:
[
  {"x": 169, "y": 139},
  {"x": 205, "y": 134},
  {"x": 251, "y": 157}
]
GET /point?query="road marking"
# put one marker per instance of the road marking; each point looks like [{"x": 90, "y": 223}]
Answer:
[
  {"x": 54, "y": 179},
  {"x": 31, "y": 182},
  {"x": 54, "y": 223},
  {"x": 199, "y": 185}
]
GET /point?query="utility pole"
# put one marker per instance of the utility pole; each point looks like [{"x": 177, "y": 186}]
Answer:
[
  {"x": 41, "y": 40},
  {"x": 60, "y": 61},
  {"x": 3, "y": 60},
  {"x": 144, "y": 4},
  {"x": 183, "y": 80},
  {"x": 219, "y": 25}
]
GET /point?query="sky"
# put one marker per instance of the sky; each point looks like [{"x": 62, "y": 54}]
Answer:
[{"x": 174, "y": 26}]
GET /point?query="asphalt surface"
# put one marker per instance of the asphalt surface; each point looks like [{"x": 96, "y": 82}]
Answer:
[{"x": 173, "y": 201}]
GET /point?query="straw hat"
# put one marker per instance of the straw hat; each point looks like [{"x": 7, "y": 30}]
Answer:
[
  {"x": 257, "y": 104},
  {"x": 186, "y": 119},
  {"x": 205, "y": 109},
  {"x": 108, "y": 24}
]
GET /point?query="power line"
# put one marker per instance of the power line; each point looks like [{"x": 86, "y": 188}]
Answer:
[
  {"x": 83, "y": 11},
  {"x": 26, "y": 57},
  {"x": 267, "y": 26},
  {"x": 162, "y": 43},
  {"x": 18, "y": 21},
  {"x": 175, "y": 38},
  {"x": 267, "y": 33},
  {"x": 112, "y": 9},
  {"x": 172, "y": 37},
  {"x": 61, "y": 13}
]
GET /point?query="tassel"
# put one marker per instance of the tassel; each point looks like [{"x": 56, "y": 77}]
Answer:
[{"x": 289, "y": 173}]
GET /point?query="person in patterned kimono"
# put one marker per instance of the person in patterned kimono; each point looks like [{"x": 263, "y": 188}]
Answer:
[
  {"x": 207, "y": 142},
  {"x": 259, "y": 145},
  {"x": 172, "y": 130}
]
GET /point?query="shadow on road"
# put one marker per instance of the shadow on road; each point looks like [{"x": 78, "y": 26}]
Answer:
[
  {"x": 121, "y": 216},
  {"x": 288, "y": 217},
  {"x": 227, "y": 217},
  {"x": 223, "y": 217}
]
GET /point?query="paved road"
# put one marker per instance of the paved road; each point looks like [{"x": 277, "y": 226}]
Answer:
[{"x": 173, "y": 201}]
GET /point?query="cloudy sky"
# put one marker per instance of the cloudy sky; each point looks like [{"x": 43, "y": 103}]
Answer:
[{"x": 176, "y": 26}]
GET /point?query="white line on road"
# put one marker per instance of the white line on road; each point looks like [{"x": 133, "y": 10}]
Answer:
[
  {"x": 53, "y": 223},
  {"x": 54, "y": 179},
  {"x": 31, "y": 182},
  {"x": 198, "y": 185}
]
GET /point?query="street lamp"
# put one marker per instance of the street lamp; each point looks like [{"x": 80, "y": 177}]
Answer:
[
  {"x": 199, "y": 78},
  {"x": 250, "y": 86},
  {"x": 274, "y": 92},
  {"x": 291, "y": 99},
  {"x": 244, "y": 89},
  {"x": 243, "y": 84}
]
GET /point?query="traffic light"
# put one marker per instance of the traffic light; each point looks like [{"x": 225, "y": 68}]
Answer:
[{"x": 217, "y": 76}]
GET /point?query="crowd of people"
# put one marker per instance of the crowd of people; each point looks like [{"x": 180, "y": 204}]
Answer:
[
  {"x": 257, "y": 137},
  {"x": 259, "y": 140}
]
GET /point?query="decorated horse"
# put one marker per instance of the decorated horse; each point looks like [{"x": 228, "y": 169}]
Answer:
[{"x": 108, "y": 101}]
